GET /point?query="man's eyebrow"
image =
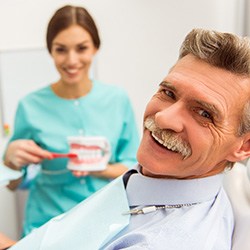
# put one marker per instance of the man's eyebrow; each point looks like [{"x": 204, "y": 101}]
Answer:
[
  {"x": 167, "y": 84},
  {"x": 210, "y": 107}
]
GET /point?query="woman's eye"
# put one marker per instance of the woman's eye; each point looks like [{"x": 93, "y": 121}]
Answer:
[
  {"x": 82, "y": 48},
  {"x": 60, "y": 50}
]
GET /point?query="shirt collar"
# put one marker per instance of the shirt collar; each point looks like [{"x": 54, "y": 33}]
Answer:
[{"x": 143, "y": 190}]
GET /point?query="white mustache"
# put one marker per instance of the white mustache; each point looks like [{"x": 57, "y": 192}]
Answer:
[{"x": 168, "y": 138}]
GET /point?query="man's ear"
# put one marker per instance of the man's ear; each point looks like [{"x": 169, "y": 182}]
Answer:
[{"x": 243, "y": 150}]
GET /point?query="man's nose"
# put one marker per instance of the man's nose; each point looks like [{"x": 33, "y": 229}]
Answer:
[{"x": 171, "y": 117}]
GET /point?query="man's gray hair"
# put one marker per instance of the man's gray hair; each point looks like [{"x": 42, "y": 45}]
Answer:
[{"x": 222, "y": 50}]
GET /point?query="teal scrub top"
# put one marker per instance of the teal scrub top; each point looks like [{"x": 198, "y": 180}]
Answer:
[{"x": 48, "y": 119}]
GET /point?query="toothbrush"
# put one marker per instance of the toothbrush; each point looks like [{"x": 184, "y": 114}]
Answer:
[{"x": 66, "y": 155}]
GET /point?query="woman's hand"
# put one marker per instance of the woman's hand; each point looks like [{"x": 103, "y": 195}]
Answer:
[
  {"x": 22, "y": 152},
  {"x": 80, "y": 173},
  {"x": 5, "y": 241},
  {"x": 112, "y": 171}
]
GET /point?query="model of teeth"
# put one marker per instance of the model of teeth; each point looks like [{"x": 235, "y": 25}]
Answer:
[{"x": 88, "y": 155}]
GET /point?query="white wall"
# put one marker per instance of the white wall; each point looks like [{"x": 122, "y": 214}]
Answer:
[
  {"x": 246, "y": 30},
  {"x": 140, "y": 41}
]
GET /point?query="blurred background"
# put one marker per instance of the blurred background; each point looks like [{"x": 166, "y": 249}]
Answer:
[{"x": 140, "y": 42}]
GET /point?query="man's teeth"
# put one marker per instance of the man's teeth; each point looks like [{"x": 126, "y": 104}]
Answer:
[
  {"x": 158, "y": 139},
  {"x": 165, "y": 144}
]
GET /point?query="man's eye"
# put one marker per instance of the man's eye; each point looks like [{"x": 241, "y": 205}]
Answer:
[
  {"x": 205, "y": 114},
  {"x": 169, "y": 94}
]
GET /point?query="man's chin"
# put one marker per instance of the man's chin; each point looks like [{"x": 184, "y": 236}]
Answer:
[{"x": 156, "y": 174}]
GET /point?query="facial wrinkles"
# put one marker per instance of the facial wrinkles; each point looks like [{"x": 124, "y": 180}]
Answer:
[
  {"x": 226, "y": 91},
  {"x": 168, "y": 138},
  {"x": 218, "y": 83},
  {"x": 224, "y": 124},
  {"x": 223, "y": 100}
]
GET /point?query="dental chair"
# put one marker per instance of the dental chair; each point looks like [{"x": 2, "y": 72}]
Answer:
[{"x": 237, "y": 186}]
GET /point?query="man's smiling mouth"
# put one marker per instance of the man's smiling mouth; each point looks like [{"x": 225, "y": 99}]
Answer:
[
  {"x": 168, "y": 139},
  {"x": 162, "y": 143}
]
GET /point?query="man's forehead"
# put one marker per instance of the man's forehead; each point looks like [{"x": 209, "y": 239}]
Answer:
[{"x": 190, "y": 65}]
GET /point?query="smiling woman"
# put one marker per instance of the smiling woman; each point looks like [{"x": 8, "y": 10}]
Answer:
[
  {"x": 73, "y": 52},
  {"x": 74, "y": 105}
]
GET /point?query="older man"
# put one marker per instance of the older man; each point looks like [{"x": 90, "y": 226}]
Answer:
[{"x": 195, "y": 126}]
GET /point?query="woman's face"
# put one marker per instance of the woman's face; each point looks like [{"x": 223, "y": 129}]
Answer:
[{"x": 73, "y": 51}]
